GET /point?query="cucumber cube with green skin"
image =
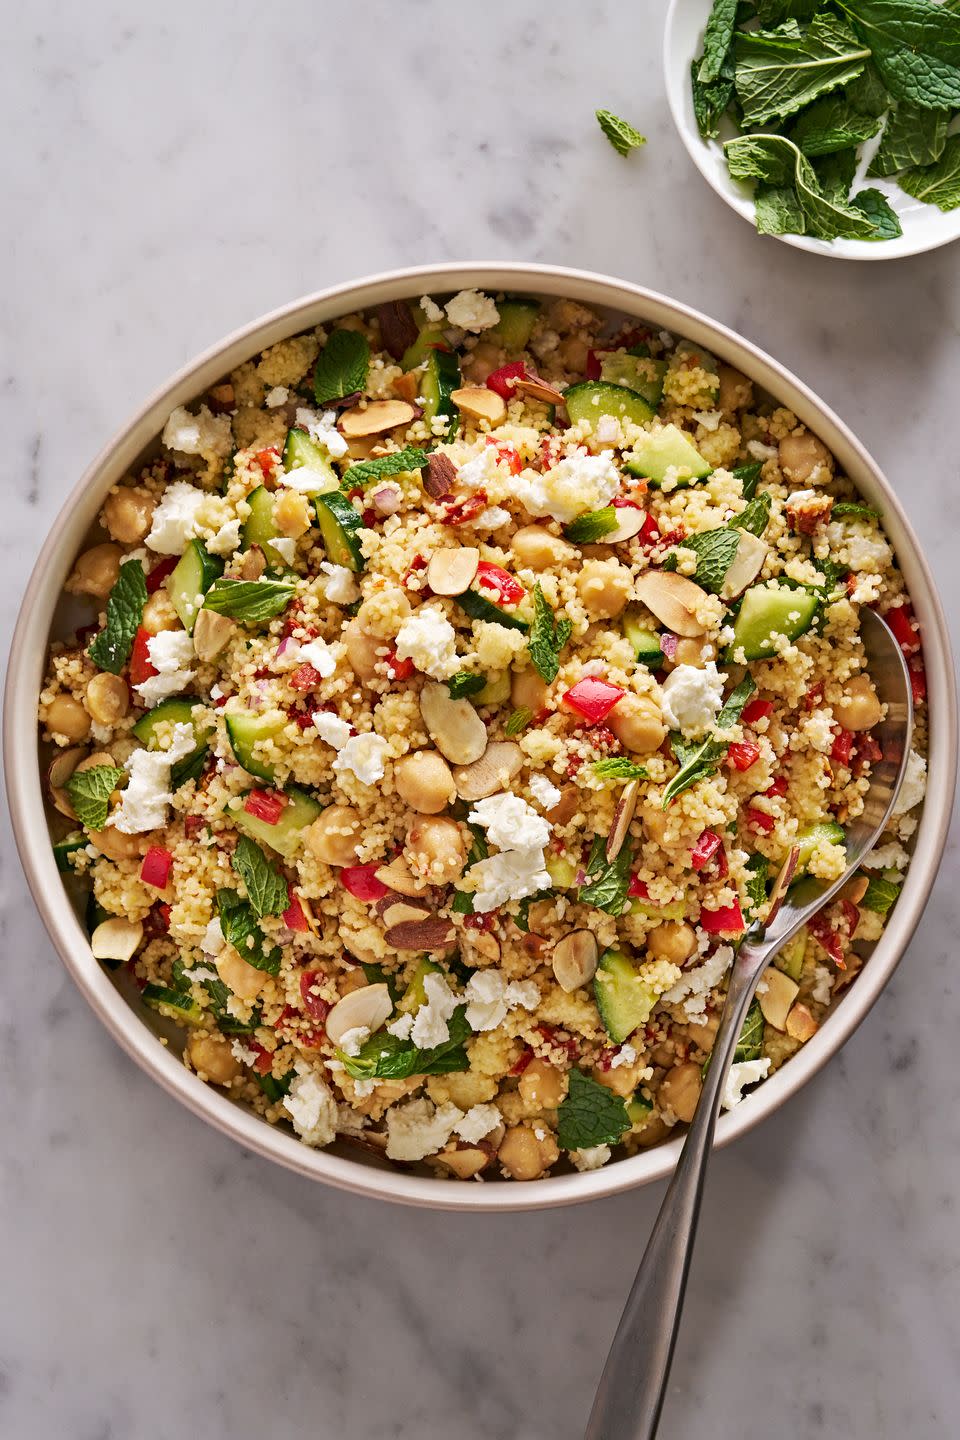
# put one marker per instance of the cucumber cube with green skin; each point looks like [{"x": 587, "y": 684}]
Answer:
[
  {"x": 639, "y": 1108},
  {"x": 790, "y": 958},
  {"x": 826, "y": 832},
  {"x": 65, "y": 848},
  {"x": 430, "y": 338},
  {"x": 244, "y": 731},
  {"x": 301, "y": 451},
  {"x": 515, "y": 326},
  {"x": 766, "y": 613},
  {"x": 590, "y": 400},
  {"x": 676, "y": 910},
  {"x": 646, "y": 643},
  {"x": 178, "y": 710},
  {"x": 340, "y": 530},
  {"x": 415, "y": 994},
  {"x": 496, "y": 690},
  {"x": 479, "y": 607},
  {"x": 562, "y": 872},
  {"x": 286, "y": 836},
  {"x": 173, "y": 1004},
  {"x": 668, "y": 448},
  {"x": 624, "y": 1001},
  {"x": 636, "y": 372},
  {"x": 260, "y": 528},
  {"x": 440, "y": 378},
  {"x": 190, "y": 580}
]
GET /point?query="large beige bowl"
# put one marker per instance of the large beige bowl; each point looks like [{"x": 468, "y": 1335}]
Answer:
[{"x": 133, "y": 1027}]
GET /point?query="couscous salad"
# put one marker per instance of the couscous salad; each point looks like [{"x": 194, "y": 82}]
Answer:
[{"x": 456, "y": 678}]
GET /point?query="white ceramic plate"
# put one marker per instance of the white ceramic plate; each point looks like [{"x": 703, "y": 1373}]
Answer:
[
  {"x": 135, "y": 1027},
  {"x": 924, "y": 226}
]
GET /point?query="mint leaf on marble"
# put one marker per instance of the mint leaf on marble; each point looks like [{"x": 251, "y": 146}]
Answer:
[
  {"x": 710, "y": 102},
  {"x": 877, "y": 208},
  {"x": 590, "y": 1114},
  {"x": 620, "y": 133},
  {"x": 341, "y": 367},
  {"x": 111, "y": 648}
]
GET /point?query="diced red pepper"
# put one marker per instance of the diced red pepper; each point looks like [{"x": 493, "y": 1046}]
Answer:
[
  {"x": 509, "y": 454},
  {"x": 903, "y": 623},
  {"x": 673, "y": 537},
  {"x": 398, "y": 669},
  {"x": 265, "y": 805},
  {"x": 756, "y": 710},
  {"x": 777, "y": 787},
  {"x": 264, "y": 1061},
  {"x": 141, "y": 666},
  {"x": 760, "y": 820},
  {"x": 813, "y": 696},
  {"x": 638, "y": 889},
  {"x": 551, "y": 452},
  {"x": 193, "y": 825},
  {"x": 521, "y": 1064},
  {"x": 594, "y": 363},
  {"x": 461, "y": 512},
  {"x": 484, "y": 921},
  {"x": 705, "y": 849},
  {"x": 649, "y": 533},
  {"x": 742, "y": 754},
  {"x": 827, "y": 938},
  {"x": 504, "y": 379},
  {"x": 293, "y": 916},
  {"x": 361, "y": 881},
  {"x": 842, "y": 747},
  {"x": 417, "y": 564},
  {"x": 305, "y": 678},
  {"x": 156, "y": 866},
  {"x": 918, "y": 680},
  {"x": 867, "y": 751},
  {"x": 851, "y": 916},
  {"x": 500, "y": 582},
  {"x": 728, "y": 921},
  {"x": 592, "y": 698},
  {"x": 268, "y": 459},
  {"x": 160, "y": 572},
  {"x": 164, "y": 910},
  {"x": 316, "y": 1007}
]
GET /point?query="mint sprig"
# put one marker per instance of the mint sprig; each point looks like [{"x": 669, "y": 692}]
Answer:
[
  {"x": 249, "y": 600},
  {"x": 715, "y": 551},
  {"x": 341, "y": 367},
  {"x": 697, "y": 762},
  {"x": 465, "y": 682},
  {"x": 590, "y": 1114},
  {"x": 618, "y": 767},
  {"x": 90, "y": 792},
  {"x": 410, "y": 458},
  {"x": 239, "y": 926},
  {"x": 622, "y": 136},
  {"x": 750, "y": 1043},
  {"x": 266, "y": 887},
  {"x": 547, "y": 637},
  {"x": 754, "y": 517},
  {"x": 593, "y": 526},
  {"x": 385, "y": 1057},
  {"x": 111, "y": 648},
  {"x": 608, "y": 891}
]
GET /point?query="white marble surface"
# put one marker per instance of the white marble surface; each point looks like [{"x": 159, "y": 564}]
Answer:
[{"x": 170, "y": 172}]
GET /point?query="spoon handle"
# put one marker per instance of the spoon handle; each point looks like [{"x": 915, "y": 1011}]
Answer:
[{"x": 630, "y": 1395}]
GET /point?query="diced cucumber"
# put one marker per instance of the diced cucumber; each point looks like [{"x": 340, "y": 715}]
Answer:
[
  {"x": 646, "y": 643},
  {"x": 429, "y": 339},
  {"x": 340, "y": 530},
  {"x": 178, "y": 710},
  {"x": 190, "y": 580},
  {"x": 479, "y": 607},
  {"x": 676, "y": 910},
  {"x": 245, "y": 731},
  {"x": 440, "y": 378},
  {"x": 667, "y": 448},
  {"x": 562, "y": 872},
  {"x": 590, "y": 399},
  {"x": 639, "y": 1108},
  {"x": 826, "y": 832},
  {"x": 415, "y": 994},
  {"x": 518, "y": 315},
  {"x": 636, "y": 372},
  {"x": 301, "y": 451},
  {"x": 496, "y": 690},
  {"x": 286, "y": 837},
  {"x": 95, "y": 915},
  {"x": 176, "y": 1005},
  {"x": 766, "y": 613},
  {"x": 790, "y": 958},
  {"x": 624, "y": 1001},
  {"x": 67, "y": 847},
  {"x": 260, "y": 528}
]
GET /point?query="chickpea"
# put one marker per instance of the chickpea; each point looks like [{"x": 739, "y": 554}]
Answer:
[
  {"x": 673, "y": 940},
  {"x": 117, "y": 846},
  {"x": 384, "y": 612},
  {"x": 637, "y": 723},
  {"x": 566, "y": 806},
  {"x": 107, "y": 698},
  {"x": 67, "y": 717},
  {"x": 528, "y": 691},
  {"x": 736, "y": 391},
  {"x": 434, "y": 849},
  {"x": 481, "y": 362},
  {"x": 537, "y": 549},
  {"x": 801, "y": 456},
  {"x": 361, "y": 650},
  {"x": 621, "y": 1081},
  {"x": 291, "y": 513},
  {"x": 523, "y": 1156},
  {"x": 860, "y": 708},
  {"x": 95, "y": 572},
  {"x": 464, "y": 1163},
  {"x": 604, "y": 587},
  {"x": 244, "y": 979},
  {"x": 542, "y": 1084},
  {"x": 159, "y": 614},
  {"x": 335, "y": 834},
  {"x": 573, "y": 354},
  {"x": 213, "y": 1059},
  {"x": 653, "y": 1132},
  {"x": 696, "y": 652},
  {"x": 680, "y": 1090},
  {"x": 128, "y": 514},
  {"x": 424, "y": 781}
]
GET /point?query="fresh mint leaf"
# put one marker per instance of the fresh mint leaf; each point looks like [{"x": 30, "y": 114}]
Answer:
[
  {"x": 832, "y": 124},
  {"x": 220, "y": 996},
  {"x": 749, "y": 476},
  {"x": 517, "y": 721},
  {"x": 937, "y": 184},
  {"x": 620, "y": 133},
  {"x": 854, "y": 508},
  {"x": 779, "y": 71},
  {"x": 588, "y": 528},
  {"x": 717, "y": 39},
  {"x": 912, "y": 136},
  {"x": 754, "y": 517},
  {"x": 547, "y": 637},
  {"x": 385, "y": 1057},
  {"x": 775, "y": 12},
  {"x": 715, "y": 551},
  {"x": 590, "y": 1114},
  {"x": 239, "y": 926},
  {"x": 758, "y": 867},
  {"x": 249, "y": 600},
  {"x": 710, "y": 102},
  {"x": 697, "y": 762},
  {"x": 90, "y": 792},
  {"x": 778, "y": 211},
  {"x": 867, "y": 93},
  {"x": 341, "y": 367},
  {"x": 266, "y": 888},
  {"x": 608, "y": 891},
  {"x": 465, "y": 683},
  {"x": 775, "y": 159},
  {"x": 835, "y": 174},
  {"x": 832, "y": 575},
  {"x": 750, "y": 1043},
  {"x": 410, "y": 458},
  {"x": 877, "y": 208},
  {"x": 111, "y": 648},
  {"x": 880, "y": 895},
  {"x": 618, "y": 767},
  {"x": 273, "y": 1088},
  {"x": 916, "y": 48},
  {"x": 597, "y": 858}
]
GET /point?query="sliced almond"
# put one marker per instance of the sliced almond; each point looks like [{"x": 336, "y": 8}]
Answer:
[
  {"x": 397, "y": 875},
  {"x": 776, "y": 995},
  {"x": 630, "y": 521},
  {"x": 429, "y": 935},
  {"x": 418, "y": 904},
  {"x": 253, "y": 564},
  {"x": 801, "y": 1024},
  {"x": 369, "y": 1008},
  {"x": 566, "y": 806},
  {"x": 463, "y": 1163},
  {"x": 453, "y": 725},
  {"x": 480, "y": 947},
  {"x": 575, "y": 960},
  {"x": 855, "y": 889},
  {"x": 116, "y": 939},
  {"x": 375, "y": 418},
  {"x": 622, "y": 815},
  {"x": 674, "y": 600},
  {"x": 451, "y": 571},
  {"x": 61, "y": 768},
  {"x": 533, "y": 388},
  {"x": 500, "y": 763},
  {"x": 211, "y": 633},
  {"x": 481, "y": 403},
  {"x": 398, "y": 912},
  {"x": 439, "y": 475},
  {"x": 405, "y": 386},
  {"x": 745, "y": 566},
  {"x": 398, "y": 329}
]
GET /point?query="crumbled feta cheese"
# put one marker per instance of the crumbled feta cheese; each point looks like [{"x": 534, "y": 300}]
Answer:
[
  {"x": 242, "y": 1052},
  {"x": 226, "y": 540},
  {"x": 419, "y": 1128},
  {"x": 144, "y": 801},
  {"x": 489, "y": 996},
  {"x": 470, "y": 310},
  {"x": 312, "y": 1108},
  {"x": 817, "y": 730},
  {"x": 510, "y": 823},
  {"x": 591, "y": 1158},
  {"x": 861, "y": 545},
  {"x": 431, "y": 310},
  {"x": 320, "y": 655},
  {"x": 428, "y": 639},
  {"x": 363, "y": 755},
  {"x": 511, "y": 876},
  {"x": 351, "y": 1040},
  {"x": 758, "y": 451},
  {"x": 743, "y": 1072},
  {"x": 914, "y": 785},
  {"x": 276, "y": 397},
  {"x": 339, "y": 586},
  {"x": 323, "y": 429},
  {"x": 480, "y": 470},
  {"x": 213, "y": 938},
  {"x": 577, "y": 483},
  {"x": 478, "y": 1122},
  {"x": 286, "y": 548},
  {"x": 200, "y": 434},
  {"x": 430, "y": 1026},
  {"x": 691, "y": 698},
  {"x": 331, "y": 728},
  {"x": 626, "y": 1055},
  {"x": 822, "y": 985},
  {"x": 401, "y": 1027},
  {"x": 709, "y": 419},
  {"x": 544, "y": 791},
  {"x": 887, "y": 857},
  {"x": 170, "y": 652},
  {"x": 176, "y": 519},
  {"x": 694, "y": 986},
  {"x": 493, "y": 519},
  {"x": 799, "y": 498},
  {"x": 308, "y": 479}
]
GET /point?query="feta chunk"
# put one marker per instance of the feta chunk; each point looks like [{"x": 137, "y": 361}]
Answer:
[
  {"x": 276, "y": 397},
  {"x": 430, "y": 1027},
  {"x": 312, "y": 1108},
  {"x": 914, "y": 785},
  {"x": 577, "y": 483},
  {"x": 478, "y": 1122},
  {"x": 363, "y": 755},
  {"x": 591, "y": 1158},
  {"x": 544, "y": 791},
  {"x": 323, "y": 429},
  {"x": 227, "y": 538},
  {"x": 743, "y": 1072},
  {"x": 510, "y": 823},
  {"x": 318, "y": 654},
  {"x": 331, "y": 728},
  {"x": 428, "y": 639},
  {"x": 512, "y": 875},
  {"x": 471, "y": 310},
  {"x": 419, "y": 1128},
  {"x": 171, "y": 653},
  {"x": 351, "y": 1040},
  {"x": 431, "y": 310},
  {"x": 490, "y": 996},
  {"x": 691, "y": 698},
  {"x": 694, "y": 986},
  {"x": 144, "y": 801},
  {"x": 337, "y": 584},
  {"x": 213, "y": 938},
  {"x": 176, "y": 520},
  {"x": 200, "y": 434}
]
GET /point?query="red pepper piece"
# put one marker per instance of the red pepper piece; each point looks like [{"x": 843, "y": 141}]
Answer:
[
  {"x": 268, "y": 459},
  {"x": 193, "y": 825},
  {"x": 649, "y": 533},
  {"x": 156, "y": 866},
  {"x": 504, "y": 379},
  {"x": 361, "y": 881},
  {"x": 638, "y": 889},
  {"x": 293, "y": 916},
  {"x": 592, "y": 698},
  {"x": 305, "y": 677},
  {"x": 813, "y": 696},
  {"x": 842, "y": 747},
  {"x": 760, "y": 820},
  {"x": 160, "y": 572},
  {"x": 742, "y": 754},
  {"x": 593, "y": 365},
  {"x": 756, "y": 710},
  {"x": 418, "y": 563},
  {"x": 903, "y": 623},
  {"x": 508, "y": 454},
  {"x": 264, "y": 1061},
  {"x": 461, "y": 512},
  {"x": 141, "y": 666},
  {"x": 398, "y": 669},
  {"x": 164, "y": 910},
  {"x": 918, "y": 680},
  {"x": 728, "y": 921},
  {"x": 504, "y": 586},
  {"x": 521, "y": 1064},
  {"x": 484, "y": 921},
  {"x": 265, "y": 805},
  {"x": 778, "y": 787},
  {"x": 705, "y": 849},
  {"x": 827, "y": 938},
  {"x": 851, "y": 916},
  {"x": 316, "y": 1008}
]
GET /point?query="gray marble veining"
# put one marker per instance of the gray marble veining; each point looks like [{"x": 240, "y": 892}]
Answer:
[{"x": 168, "y": 174}]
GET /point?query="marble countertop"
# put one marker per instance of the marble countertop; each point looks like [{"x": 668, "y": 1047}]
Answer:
[{"x": 170, "y": 173}]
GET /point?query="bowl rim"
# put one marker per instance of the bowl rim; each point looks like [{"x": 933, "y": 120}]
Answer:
[
  {"x": 676, "y": 85},
  {"x": 27, "y": 664}
]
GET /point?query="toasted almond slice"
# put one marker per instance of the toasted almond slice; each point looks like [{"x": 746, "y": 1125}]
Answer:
[
  {"x": 500, "y": 763},
  {"x": 397, "y": 875},
  {"x": 480, "y": 947},
  {"x": 211, "y": 633},
  {"x": 399, "y": 913},
  {"x": 453, "y": 725},
  {"x": 253, "y": 564},
  {"x": 116, "y": 939},
  {"x": 481, "y": 403},
  {"x": 575, "y": 960},
  {"x": 622, "y": 816},
  {"x": 745, "y": 566},
  {"x": 630, "y": 521},
  {"x": 429, "y": 935},
  {"x": 776, "y": 995},
  {"x": 451, "y": 571},
  {"x": 405, "y": 386},
  {"x": 439, "y": 475},
  {"x": 674, "y": 600},
  {"x": 533, "y": 388},
  {"x": 375, "y": 418},
  {"x": 855, "y": 888},
  {"x": 370, "y": 1007},
  {"x": 801, "y": 1024},
  {"x": 60, "y": 769}
]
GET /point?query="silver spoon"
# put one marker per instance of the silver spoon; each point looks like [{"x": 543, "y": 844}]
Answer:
[{"x": 630, "y": 1395}]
